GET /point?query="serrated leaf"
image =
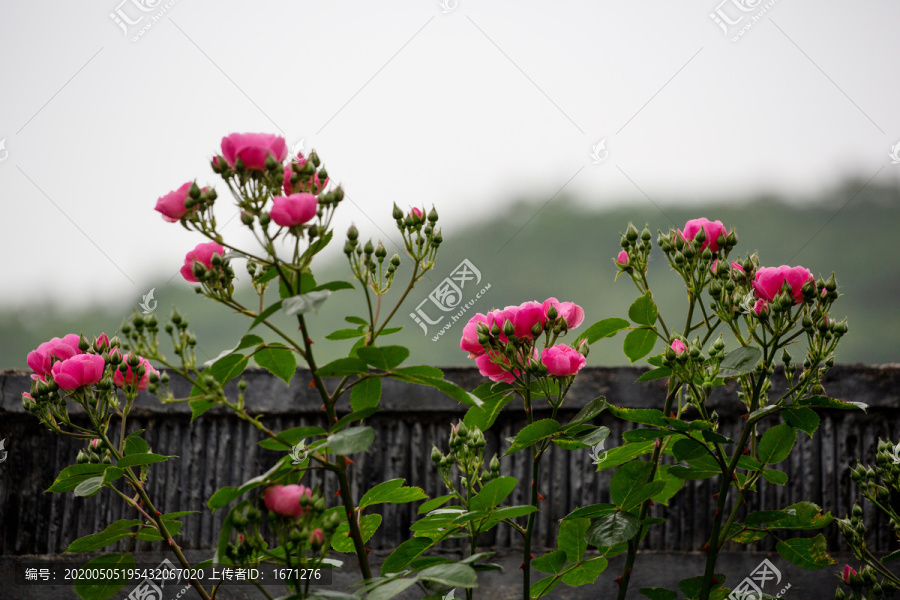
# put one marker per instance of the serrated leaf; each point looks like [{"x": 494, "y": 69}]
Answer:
[
  {"x": 602, "y": 329},
  {"x": 639, "y": 343},
  {"x": 807, "y": 553},
  {"x": 825, "y": 402},
  {"x": 384, "y": 357},
  {"x": 739, "y": 361},
  {"x": 134, "y": 444},
  {"x": 391, "y": 492},
  {"x": 644, "y": 416},
  {"x": 345, "y": 334},
  {"x": 353, "y": 417},
  {"x": 532, "y": 434},
  {"x": 112, "y": 534},
  {"x": 228, "y": 367},
  {"x": 366, "y": 393},
  {"x": 451, "y": 575},
  {"x": 404, "y": 554},
  {"x": 351, "y": 440},
  {"x": 343, "y": 367},
  {"x": 543, "y": 586},
  {"x": 692, "y": 473},
  {"x": 278, "y": 360},
  {"x": 341, "y": 540},
  {"x": 570, "y": 539},
  {"x": 643, "y": 311},
  {"x": 775, "y": 476},
  {"x": 585, "y": 572},
  {"x": 802, "y": 418},
  {"x": 589, "y": 411},
  {"x": 434, "y": 503},
  {"x": 70, "y": 477},
  {"x": 551, "y": 562},
  {"x": 612, "y": 529},
  {"x": 776, "y": 444},
  {"x": 493, "y": 493},
  {"x": 268, "y": 312},
  {"x": 89, "y": 486},
  {"x": 135, "y": 460},
  {"x": 652, "y": 374},
  {"x": 629, "y": 487},
  {"x": 622, "y": 454}
]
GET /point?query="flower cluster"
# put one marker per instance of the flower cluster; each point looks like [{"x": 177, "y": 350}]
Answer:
[
  {"x": 504, "y": 341},
  {"x": 88, "y": 373}
]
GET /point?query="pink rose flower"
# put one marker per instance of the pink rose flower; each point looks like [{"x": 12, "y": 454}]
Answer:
[
  {"x": 469, "y": 341},
  {"x": 417, "y": 213},
  {"x": 769, "y": 280},
  {"x": 622, "y": 258},
  {"x": 95, "y": 442},
  {"x": 285, "y": 499},
  {"x": 101, "y": 342},
  {"x": 571, "y": 312},
  {"x": 41, "y": 358},
  {"x": 760, "y": 307},
  {"x": 679, "y": 347},
  {"x": 203, "y": 254},
  {"x": 562, "y": 361},
  {"x": 493, "y": 371},
  {"x": 848, "y": 570},
  {"x": 525, "y": 316},
  {"x": 253, "y": 149},
  {"x": 78, "y": 371},
  {"x": 129, "y": 377},
  {"x": 712, "y": 229},
  {"x": 292, "y": 210},
  {"x": 172, "y": 204},
  {"x": 314, "y": 187},
  {"x": 317, "y": 537}
]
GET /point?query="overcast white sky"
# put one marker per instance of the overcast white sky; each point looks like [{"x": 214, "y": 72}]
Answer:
[{"x": 407, "y": 103}]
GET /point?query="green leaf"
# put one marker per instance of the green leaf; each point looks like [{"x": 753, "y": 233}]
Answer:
[
  {"x": 351, "y": 440},
  {"x": 343, "y": 367},
  {"x": 135, "y": 460},
  {"x": 594, "y": 510},
  {"x": 493, "y": 493},
  {"x": 825, "y": 402},
  {"x": 776, "y": 444},
  {"x": 292, "y": 436},
  {"x": 358, "y": 415},
  {"x": 391, "y": 492},
  {"x": 112, "y": 534},
  {"x": 278, "y": 360},
  {"x": 266, "y": 314},
  {"x": 612, "y": 529},
  {"x": 345, "y": 334},
  {"x": 543, "y": 586},
  {"x": 589, "y": 411},
  {"x": 571, "y": 538},
  {"x": 228, "y": 367},
  {"x": 644, "y": 416},
  {"x": 629, "y": 487},
  {"x": 802, "y": 418},
  {"x": 642, "y": 435},
  {"x": 775, "y": 476},
  {"x": 451, "y": 575},
  {"x": 434, "y": 503},
  {"x": 806, "y": 553},
  {"x": 366, "y": 393},
  {"x": 356, "y": 320},
  {"x": 420, "y": 371},
  {"x": 622, "y": 454},
  {"x": 90, "y": 486},
  {"x": 200, "y": 406},
  {"x": 384, "y": 591},
  {"x": 225, "y": 495},
  {"x": 739, "y": 362},
  {"x": 341, "y": 540},
  {"x": 652, "y": 374},
  {"x": 602, "y": 329},
  {"x": 643, "y": 311},
  {"x": 639, "y": 343},
  {"x": 585, "y": 572},
  {"x": 685, "y": 449},
  {"x": 334, "y": 286},
  {"x": 105, "y": 587},
  {"x": 385, "y": 357},
  {"x": 658, "y": 593},
  {"x": 671, "y": 485},
  {"x": 760, "y": 413},
  {"x": 891, "y": 557},
  {"x": 70, "y": 477},
  {"x": 532, "y": 434},
  {"x": 404, "y": 554},
  {"x": 693, "y": 473},
  {"x": 551, "y": 562},
  {"x": 513, "y": 512},
  {"x": 714, "y": 437},
  {"x": 484, "y": 416},
  {"x": 692, "y": 586},
  {"x": 134, "y": 444},
  {"x": 804, "y": 515}
]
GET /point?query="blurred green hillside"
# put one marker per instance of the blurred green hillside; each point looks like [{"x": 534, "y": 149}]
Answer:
[{"x": 566, "y": 251}]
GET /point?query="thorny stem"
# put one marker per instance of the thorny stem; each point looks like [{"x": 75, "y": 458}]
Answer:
[{"x": 535, "y": 473}]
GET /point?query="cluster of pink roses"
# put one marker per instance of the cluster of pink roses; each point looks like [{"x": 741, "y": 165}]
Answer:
[
  {"x": 770, "y": 281},
  {"x": 72, "y": 367},
  {"x": 523, "y": 323},
  {"x": 249, "y": 152}
]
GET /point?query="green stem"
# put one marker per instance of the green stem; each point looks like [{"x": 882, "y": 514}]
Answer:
[
  {"x": 645, "y": 506},
  {"x": 535, "y": 474}
]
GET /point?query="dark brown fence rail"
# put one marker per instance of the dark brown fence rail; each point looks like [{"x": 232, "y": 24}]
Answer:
[{"x": 219, "y": 449}]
